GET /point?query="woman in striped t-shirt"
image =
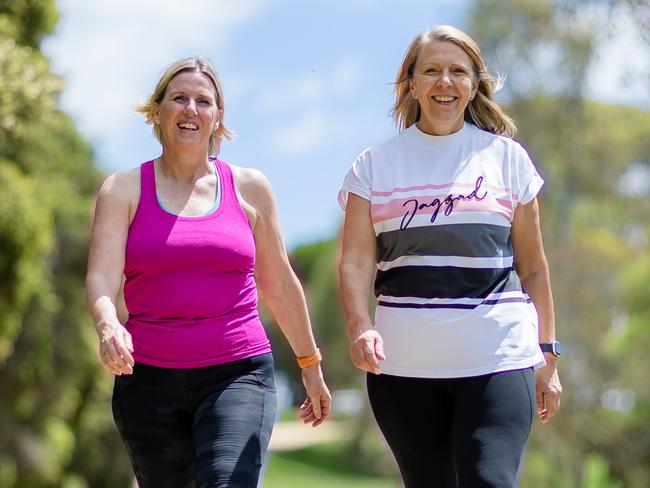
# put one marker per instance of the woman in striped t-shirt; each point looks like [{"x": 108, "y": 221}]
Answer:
[{"x": 444, "y": 216}]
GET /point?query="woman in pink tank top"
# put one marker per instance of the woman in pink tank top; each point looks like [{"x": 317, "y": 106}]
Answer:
[{"x": 194, "y": 397}]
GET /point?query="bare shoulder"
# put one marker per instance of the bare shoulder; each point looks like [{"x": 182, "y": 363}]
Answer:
[
  {"x": 250, "y": 178},
  {"x": 122, "y": 186},
  {"x": 119, "y": 195},
  {"x": 253, "y": 185}
]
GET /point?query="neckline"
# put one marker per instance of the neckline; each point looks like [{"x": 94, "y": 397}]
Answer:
[
  {"x": 432, "y": 140},
  {"x": 213, "y": 212}
]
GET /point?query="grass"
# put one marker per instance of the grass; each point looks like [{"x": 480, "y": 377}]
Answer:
[{"x": 320, "y": 466}]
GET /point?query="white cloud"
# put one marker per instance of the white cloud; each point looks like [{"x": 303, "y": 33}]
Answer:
[
  {"x": 307, "y": 133},
  {"x": 299, "y": 91},
  {"x": 311, "y": 98},
  {"x": 346, "y": 75},
  {"x": 303, "y": 135},
  {"x": 358, "y": 3},
  {"x": 111, "y": 51},
  {"x": 313, "y": 89},
  {"x": 236, "y": 85}
]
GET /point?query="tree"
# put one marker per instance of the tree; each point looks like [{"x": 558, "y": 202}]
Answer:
[
  {"x": 584, "y": 151},
  {"x": 55, "y": 422}
]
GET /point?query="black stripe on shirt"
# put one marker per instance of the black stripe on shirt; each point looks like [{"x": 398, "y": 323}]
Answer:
[
  {"x": 467, "y": 240},
  {"x": 445, "y": 282}
]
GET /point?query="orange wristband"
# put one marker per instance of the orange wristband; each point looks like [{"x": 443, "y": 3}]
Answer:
[{"x": 305, "y": 361}]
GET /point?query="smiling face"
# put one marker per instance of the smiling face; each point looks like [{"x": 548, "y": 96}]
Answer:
[
  {"x": 443, "y": 83},
  {"x": 188, "y": 113}
]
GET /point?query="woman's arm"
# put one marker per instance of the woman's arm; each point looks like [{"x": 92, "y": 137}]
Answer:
[
  {"x": 532, "y": 268},
  {"x": 105, "y": 269},
  {"x": 281, "y": 288},
  {"x": 357, "y": 268}
]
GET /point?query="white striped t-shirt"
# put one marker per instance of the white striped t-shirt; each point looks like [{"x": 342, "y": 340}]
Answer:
[{"x": 450, "y": 303}]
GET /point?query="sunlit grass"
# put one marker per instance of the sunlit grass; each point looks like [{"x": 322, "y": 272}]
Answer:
[{"x": 319, "y": 467}]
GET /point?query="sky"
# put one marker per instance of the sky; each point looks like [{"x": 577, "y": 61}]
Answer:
[{"x": 307, "y": 83}]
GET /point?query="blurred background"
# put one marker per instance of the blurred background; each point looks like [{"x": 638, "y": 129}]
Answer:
[{"x": 308, "y": 86}]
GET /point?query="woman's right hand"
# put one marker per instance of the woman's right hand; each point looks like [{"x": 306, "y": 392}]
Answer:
[
  {"x": 367, "y": 350},
  {"x": 115, "y": 348},
  {"x": 116, "y": 202}
]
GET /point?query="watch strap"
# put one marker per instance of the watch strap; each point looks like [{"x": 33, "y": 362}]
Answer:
[{"x": 553, "y": 347}]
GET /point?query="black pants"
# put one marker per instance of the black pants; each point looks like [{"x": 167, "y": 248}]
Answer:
[
  {"x": 457, "y": 432},
  {"x": 199, "y": 427}
]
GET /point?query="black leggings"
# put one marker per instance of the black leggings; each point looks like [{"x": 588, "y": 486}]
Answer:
[
  {"x": 199, "y": 427},
  {"x": 456, "y": 432}
]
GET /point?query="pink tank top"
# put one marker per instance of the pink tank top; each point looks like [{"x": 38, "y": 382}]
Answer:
[{"x": 190, "y": 288}]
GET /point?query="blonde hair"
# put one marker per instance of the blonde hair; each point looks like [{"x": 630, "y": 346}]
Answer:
[
  {"x": 482, "y": 111},
  {"x": 199, "y": 65}
]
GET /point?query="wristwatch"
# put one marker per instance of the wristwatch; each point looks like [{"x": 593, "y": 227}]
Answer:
[{"x": 554, "y": 347}]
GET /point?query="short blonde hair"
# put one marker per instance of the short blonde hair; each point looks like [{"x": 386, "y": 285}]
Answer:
[
  {"x": 482, "y": 111},
  {"x": 200, "y": 65}
]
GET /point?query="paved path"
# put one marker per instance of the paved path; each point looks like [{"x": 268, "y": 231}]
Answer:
[{"x": 289, "y": 436}]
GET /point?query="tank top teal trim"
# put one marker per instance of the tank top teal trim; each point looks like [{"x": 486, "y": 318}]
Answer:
[{"x": 217, "y": 199}]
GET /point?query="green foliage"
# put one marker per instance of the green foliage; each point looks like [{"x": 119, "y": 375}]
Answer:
[
  {"x": 54, "y": 415},
  {"x": 514, "y": 32},
  {"x": 600, "y": 278},
  {"x": 27, "y": 94},
  {"x": 30, "y": 20},
  {"x": 318, "y": 263},
  {"x": 597, "y": 473},
  {"x": 25, "y": 242},
  {"x": 598, "y": 268}
]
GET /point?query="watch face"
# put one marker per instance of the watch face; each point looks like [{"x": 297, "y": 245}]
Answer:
[{"x": 557, "y": 348}]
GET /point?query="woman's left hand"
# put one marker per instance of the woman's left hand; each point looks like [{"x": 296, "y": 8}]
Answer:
[
  {"x": 317, "y": 407},
  {"x": 548, "y": 390}
]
